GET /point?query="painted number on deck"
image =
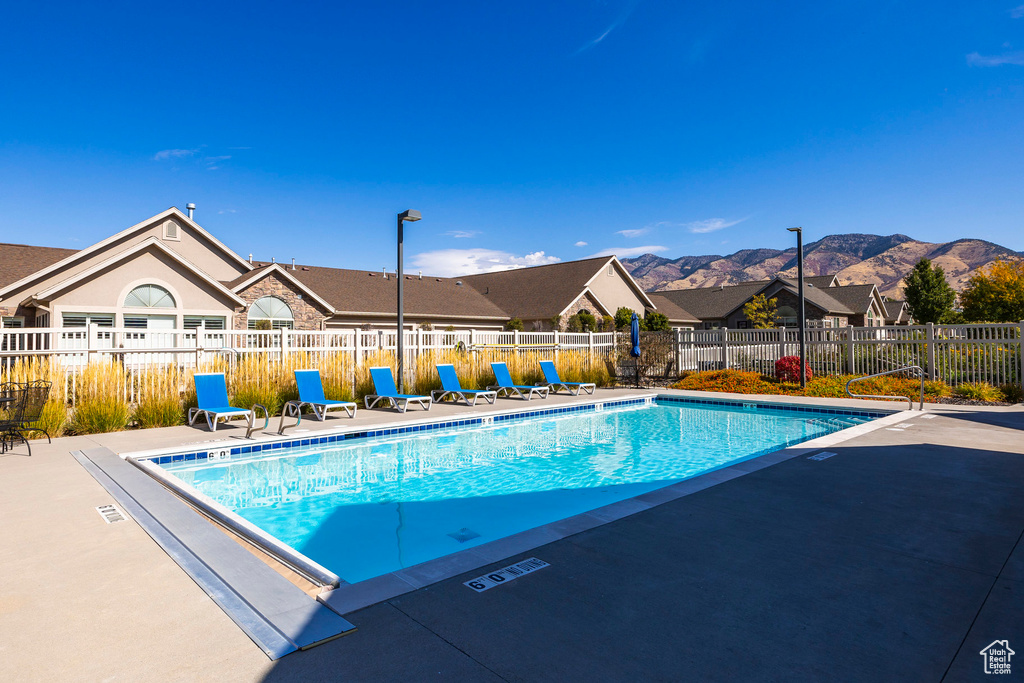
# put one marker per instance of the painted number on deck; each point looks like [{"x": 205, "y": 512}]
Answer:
[
  {"x": 825, "y": 455},
  {"x": 505, "y": 574}
]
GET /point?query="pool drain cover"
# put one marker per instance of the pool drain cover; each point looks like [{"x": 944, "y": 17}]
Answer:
[
  {"x": 110, "y": 513},
  {"x": 463, "y": 535}
]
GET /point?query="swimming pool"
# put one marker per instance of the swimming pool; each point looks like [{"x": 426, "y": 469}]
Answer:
[{"x": 366, "y": 504}]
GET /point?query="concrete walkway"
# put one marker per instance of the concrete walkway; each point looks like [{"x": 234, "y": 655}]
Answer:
[{"x": 897, "y": 559}]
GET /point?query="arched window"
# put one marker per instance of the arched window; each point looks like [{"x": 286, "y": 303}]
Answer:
[
  {"x": 786, "y": 316},
  {"x": 149, "y": 296},
  {"x": 273, "y": 310}
]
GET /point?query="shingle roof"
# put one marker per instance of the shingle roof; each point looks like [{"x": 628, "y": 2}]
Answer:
[
  {"x": 709, "y": 303},
  {"x": 822, "y": 297},
  {"x": 669, "y": 308},
  {"x": 857, "y": 298},
  {"x": 537, "y": 293},
  {"x": 21, "y": 260},
  {"x": 361, "y": 291}
]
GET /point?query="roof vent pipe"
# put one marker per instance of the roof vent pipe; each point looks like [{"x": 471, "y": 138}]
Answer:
[
  {"x": 190, "y": 207},
  {"x": 384, "y": 272},
  {"x": 250, "y": 258},
  {"x": 421, "y": 274},
  {"x": 293, "y": 263},
  {"x": 273, "y": 259}
]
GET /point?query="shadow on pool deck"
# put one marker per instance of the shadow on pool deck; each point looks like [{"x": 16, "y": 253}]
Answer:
[{"x": 870, "y": 565}]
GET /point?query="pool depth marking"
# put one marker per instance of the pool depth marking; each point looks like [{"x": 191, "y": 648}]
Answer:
[{"x": 505, "y": 574}]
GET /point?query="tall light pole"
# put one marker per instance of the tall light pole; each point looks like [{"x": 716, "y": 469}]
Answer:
[
  {"x": 802, "y": 312},
  {"x": 410, "y": 216}
]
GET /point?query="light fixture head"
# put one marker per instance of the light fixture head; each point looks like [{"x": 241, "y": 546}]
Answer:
[
  {"x": 410, "y": 215},
  {"x": 795, "y": 229}
]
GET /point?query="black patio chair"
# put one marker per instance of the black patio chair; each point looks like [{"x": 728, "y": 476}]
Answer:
[
  {"x": 12, "y": 409},
  {"x": 37, "y": 393}
]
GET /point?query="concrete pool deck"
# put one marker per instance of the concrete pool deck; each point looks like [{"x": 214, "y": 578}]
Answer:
[{"x": 898, "y": 558}]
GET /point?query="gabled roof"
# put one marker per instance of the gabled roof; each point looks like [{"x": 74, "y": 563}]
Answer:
[
  {"x": 368, "y": 293},
  {"x": 821, "y": 297},
  {"x": 542, "y": 292},
  {"x": 151, "y": 242},
  {"x": 669, "y": 308},
  {"x": 709, "y": 303},
  {"x": 856, "y": 297},
  {"x": 256, "y": 274},
  {"x": 74, "y": 256},
  {"x": 18, "y": 261}
]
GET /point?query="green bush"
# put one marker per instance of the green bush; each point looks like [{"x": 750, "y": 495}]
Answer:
[
  {"x": 98, "y": 414},
  {"x": 159, "y": 411},
  {"x": 978, "y": 391},
  {"x": 1012, "y": 393}
]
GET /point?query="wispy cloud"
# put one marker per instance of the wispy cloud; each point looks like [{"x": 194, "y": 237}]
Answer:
[
  {"x": 213, "y": 163},
  {"x": 454, "y": 262},
  {"x": 710, "y": 225},
  {"x": 581, "y": 243},
  {"x": 1017, "y": 12},
  {"x": 633, "y": 233},
  {"x": 629, "y": 252},
  {"x": 1015, "y": 58},
  {"x": 462, "y": 234},
  {"x": 223, "y": 211},
  {"x": 165, "y": 154},
  {"x": 619, "y": 21}
]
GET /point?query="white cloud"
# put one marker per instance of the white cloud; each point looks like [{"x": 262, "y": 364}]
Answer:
[
  {"x": 454, "y": 262},
  {"x": 1016, "y": 58},
  {"x": 223, "y": 211},
  {"x": 165, "y": 154},
  {"x": 629, "y": 252},
  {"x": 1017, "y": 12},
  {"x": 633, "y": 233},
  {"x": 581, "y": 243},
  {"x": 621, "y": 19},
  {"x": 462, "y": 234},
  {"x": 710, "y": 225}
]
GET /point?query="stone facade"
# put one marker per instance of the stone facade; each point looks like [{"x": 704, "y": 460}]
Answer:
[
  {"x": 584, "y": 303},
  {"x": 308, "y": 314}
]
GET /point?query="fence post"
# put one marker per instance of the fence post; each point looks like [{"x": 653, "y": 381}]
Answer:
[
  {"x": 930, "y": 341},
  {"x": 725, "y": 348},
  {"x": 1020, "y": 353},
  {"x": 556, "y": 345},
  {"x": 677, "y": 340},
  {"x": 590, "y": 344},
  {"x": 782, "y": 342},
  {"x": 90, "y": 342},
  {"x": 472, "y": 340},
  {"x": 515, "y": 341},
  {"x": 850, "y": 370}
]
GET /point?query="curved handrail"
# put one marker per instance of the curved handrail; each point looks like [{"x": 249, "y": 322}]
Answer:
[
  {"x": 290, "y": 409},
  {"x": 910, "y": 402},
  {"x": 252, "y": 425}
]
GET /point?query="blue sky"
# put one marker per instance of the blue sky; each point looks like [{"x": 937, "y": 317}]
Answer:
[{"x": 524, "y": 132}]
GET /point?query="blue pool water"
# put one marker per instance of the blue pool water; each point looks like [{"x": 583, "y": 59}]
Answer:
[{"x": 369, "y": 506}]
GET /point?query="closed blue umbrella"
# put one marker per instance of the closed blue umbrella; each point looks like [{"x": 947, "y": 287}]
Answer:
[{"x": 634, "y": 338}]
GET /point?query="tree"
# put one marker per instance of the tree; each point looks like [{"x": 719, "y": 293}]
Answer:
[
  {"x": 762, "y": 313},
  {"x": 606, "y": 324},
  {"x": 996, "y": 294},
  {"x": 929, "y": 296},
  {"x": 623, "y": 318},
  {"x": 514, "y": 324},
  {"x": 656, "y": 322},
  {"x": 556, "y": 323}
]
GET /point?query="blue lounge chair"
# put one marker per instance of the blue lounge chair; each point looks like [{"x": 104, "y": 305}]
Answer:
[
  {"x": 505, "y": 383},
  {"x": 554, "y": 381},
  {"x": 384, "y": 385},
  {"x": 452, "y": 387},
  {"x": 212, "y": 396},
  {"x": 311, "y": 393}
]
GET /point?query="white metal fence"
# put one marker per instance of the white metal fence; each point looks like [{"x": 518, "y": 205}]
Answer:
[
  {"x": 139, "y": 349},
  {"x": 953, "y": 353}
]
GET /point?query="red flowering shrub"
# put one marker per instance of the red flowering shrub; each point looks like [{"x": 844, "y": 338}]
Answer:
[{"x": 787, "y": 369}]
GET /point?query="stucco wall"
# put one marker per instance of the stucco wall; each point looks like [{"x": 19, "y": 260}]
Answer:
[{"x": 614, "y": 292}]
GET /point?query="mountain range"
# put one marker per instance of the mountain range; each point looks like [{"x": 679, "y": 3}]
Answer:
[{"x": 856, "y": 259}]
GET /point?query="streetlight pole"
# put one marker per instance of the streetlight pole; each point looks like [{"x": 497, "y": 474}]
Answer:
[
  {"x": 410, "y": 216},
  {"x": 802, "y": 312}
]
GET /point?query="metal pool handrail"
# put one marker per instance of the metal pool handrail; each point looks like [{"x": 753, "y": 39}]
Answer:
[{"x": 908, "y": 368}]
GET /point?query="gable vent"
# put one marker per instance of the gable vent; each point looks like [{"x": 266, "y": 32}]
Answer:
[
  {"x": 110, "y": 513},
  {"x": 171, "y": 231}
]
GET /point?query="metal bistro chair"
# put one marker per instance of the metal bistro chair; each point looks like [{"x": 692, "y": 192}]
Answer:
[
  {"x": 37, "y": 393},
  {"x": 12, "y": 409}
]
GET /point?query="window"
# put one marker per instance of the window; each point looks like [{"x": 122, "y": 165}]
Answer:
[
  {"x": 273, "y": 310},
  {"x": 83, "y": 319},
  {"x": 13, "y": 322},
  {"x": 210, "y": 322},
  {"x": 787, "y": 316},
  {"x": 42, "y": 319},
  {"x": 149, "y": 296}
]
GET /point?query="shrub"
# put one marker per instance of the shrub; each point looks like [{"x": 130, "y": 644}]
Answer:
[
  {"x": 978, "y": 391},
  {"x": 1012, "y": 393},
  {"x": 101, "y": 403},
  {"x": 656, "y": 322},
  {"x": 787, "y": 369},
  {"x": 515, "y": 324},
  {"x": 732, "y": 381},
  {"x": 54, "y": 417},
  {"x": 160, "y": 402}
]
